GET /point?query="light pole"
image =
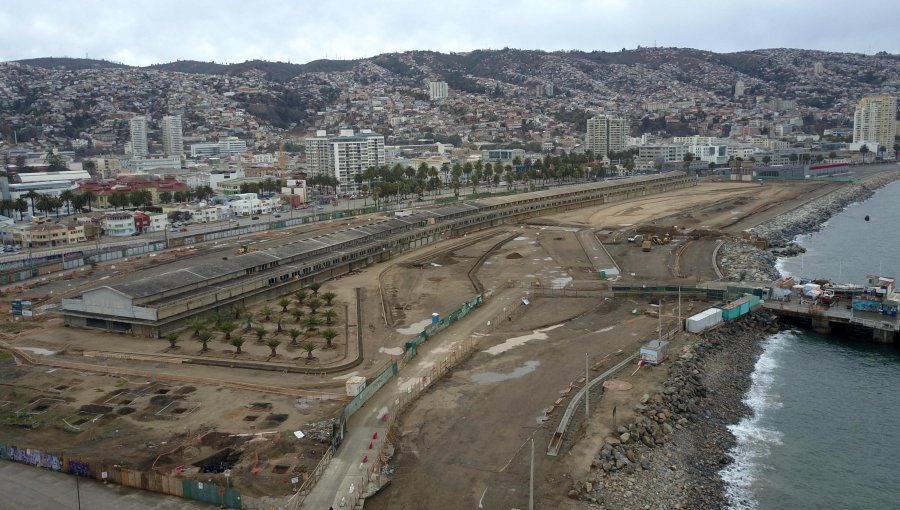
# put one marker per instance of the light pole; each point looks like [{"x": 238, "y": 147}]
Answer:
[{"x": 531, "y": 479}]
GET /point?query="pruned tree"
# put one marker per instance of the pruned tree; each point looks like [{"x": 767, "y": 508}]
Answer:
[
  {"x": 203, "y": 338},
  {"x": 173, "y": 339},
  {"x": 272, "y": 343},
  {"x": 328, "y": 297},
  {"x": 237, "y": 341},
  {"x": 309, "y": 347},
  {"x": 329, "y": 335}
]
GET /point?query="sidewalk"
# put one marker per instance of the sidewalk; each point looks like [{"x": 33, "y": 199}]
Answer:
[{"x": 354, "y": 459}]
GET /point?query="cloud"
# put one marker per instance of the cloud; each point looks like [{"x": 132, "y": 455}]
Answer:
[{"x": 143, "y": 32}]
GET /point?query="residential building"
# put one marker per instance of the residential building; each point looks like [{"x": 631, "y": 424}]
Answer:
[
  {"x": 437, "y": 90},
  {"x": 875, "y": 120},
  {"x": 505, "y": 156},
  {"x": 739, "y": 89},
  {"x": 145, "y": 165},
  {"x": 47, "y": 235},
  {"x": 173, "y": 142},
  {"x": 139, "y": 143},
  {"x": 228, "y": 145},
  {"x": 119, "y": 224},
  {"x": 317, "y": 153},
  {"x": 606, "y": 134},
  {"x": 346, "y": 155},
  {"x": 294, "y": 190}
]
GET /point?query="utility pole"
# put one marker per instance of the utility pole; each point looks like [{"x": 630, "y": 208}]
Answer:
[
  {"x": 78, "y": 491},
  {"x": 679, "y": 308},
  {"x": 531, "y": 480},
  {"x": 587, "y": 389}
]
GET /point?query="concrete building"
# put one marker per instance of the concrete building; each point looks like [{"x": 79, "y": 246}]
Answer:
[
  {"x": 437, "y": 90},
  {"x": 317, "y": 153},
  {"x": 229, "y": 145},
  {"x": 875, "y": 120},
  {"x": 172, "y": 139},
  {"x": 505, "y": 156},
  {"x": 606, "y": 134},
  {"x": 739, "y": 88},
  {"x": 139, "y": 143},
  {"x": 47, "y": 235},
  {"x": 345, "y": 155},
  {"x": 119, "y": 224},
  {"x": 143, "y": 165},
  {"x": 818, "y": 68}
]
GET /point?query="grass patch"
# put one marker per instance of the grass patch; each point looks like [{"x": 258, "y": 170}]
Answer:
[{"x": 5, "y": 355}]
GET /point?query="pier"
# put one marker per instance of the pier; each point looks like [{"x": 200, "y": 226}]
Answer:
[{"x": 822, "y": 319}]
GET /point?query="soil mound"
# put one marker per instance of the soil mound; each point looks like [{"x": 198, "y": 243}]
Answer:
[{"x": 514, "y": 255}]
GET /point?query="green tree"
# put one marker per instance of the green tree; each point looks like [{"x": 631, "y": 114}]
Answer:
[
  {"x": 248, "y": 321},
  {"x": 309, "y": 347},
  {"x": 266, "y": 313},
  {"x": 312, "y": 323},
  {"x": 284, "y": 303},
  {"x": 203, "y": 338},
  {"x": 329, "y": 316},
  {"x": 237, "y": 341},
  {"x": 864, "y": 151},
  {"x": 297, "y": 313},
  {"x": 32, "y": 195},
  {"x": 89, "y": 197},
  {"x": 328, "y": 297},
  {"x": 688, "y": 158},
  {"x": 300, "y": 295},
  {"x": 314, "y": 304},
  {"x": 66, "y": 196},
  {"x": 119, "y": 199},
  {"x": 314, "y": 287},
  {"x": 329, "y": 335},
  {"x": 260, "y": 333},
  {"x": 280, "y": 322},
  {"x": 227, "y": 328},
  {"x": 172, "y": 338},
  {"x": 197, "y": 325},
  {"x": 294, "y": 333},
  {"x": 272, "y": 343},
  {"x": 165, "y": 197}
]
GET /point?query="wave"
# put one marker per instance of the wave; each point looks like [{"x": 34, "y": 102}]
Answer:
[{"x": 754, "y": 441}]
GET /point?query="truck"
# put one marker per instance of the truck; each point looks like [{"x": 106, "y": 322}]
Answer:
[{"x": 646, "y": 245}]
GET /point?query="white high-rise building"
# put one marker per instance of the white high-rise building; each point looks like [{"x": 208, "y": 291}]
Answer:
[
  {"x": 606, "y": 134},
  {"x": 344, "y": 156},
  {"x": 139, "y": 145},
  {"x": 739, "y": 88},
  {"x": 172, "y": 139},
  {"x": 437, "y": 89},
  {"x": 875, "y": 121},
  {"x": 819, "y": 68}
]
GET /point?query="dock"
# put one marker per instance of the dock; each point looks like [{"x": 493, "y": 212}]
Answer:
[{"x": 884, "y": 328}]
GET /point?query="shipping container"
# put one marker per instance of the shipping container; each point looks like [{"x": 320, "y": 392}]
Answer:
[
  {"x": 654, "y": 352},
  {"x": 355, "y": 385},
  {"x": 704, "y": 320},
  {"x": 739, "y": 307}
]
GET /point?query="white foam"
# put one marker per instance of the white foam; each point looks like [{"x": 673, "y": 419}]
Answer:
[
  {"x": 538, "y": 334},
  {"x": 754, "y": 440}
]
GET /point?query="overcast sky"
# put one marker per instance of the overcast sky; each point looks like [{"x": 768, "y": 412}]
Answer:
[{"x": 143, "y": 32}]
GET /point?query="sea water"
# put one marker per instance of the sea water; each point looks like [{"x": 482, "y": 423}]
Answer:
[{"x": 825, "y": 427}]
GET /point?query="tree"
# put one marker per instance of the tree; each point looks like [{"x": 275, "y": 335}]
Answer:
[
  {"x": 119, "y": 199},
  {"x": 20, "y": 205},
  {"x": 266, "y": 313},
  {"x": 312, "y": 323},
  {"x": 280, "y": 322},
  {"x": 687, "y": 161},
  {"x": 832, "y": 155},
  {"x": 329, "y": 335},
  {"x": 89, "y": 197},
  {"x": 260, "y": 333},
  {"x": 328, "y": 297},
  {"x": 309, "y": 347},
  {"x": 140, "y": 197},
  {"x": 31, "y": 195},
  {"x": 45, "y": 204},
  {"x": 237, "y": 341},
  {"x": 294, "y": 333},
  {"x": 864, "y": 150},
  {"x": 66, "y": 196},
  {"x": 301, "y": 296},
  {"x": 793, "y": 158},
  {"x": 314, "y": 304},
  {"x": 248, "y": 321},
  {"x": 272, "y": 343},
  {"x": 297, "y": 313},
  {"x": 165, "y": 197},
  {"x": 314, "y": 287},
  {"x": 197, "y": 325},
  {"x": 227, "y": 328},
  {"x": 203, "y": 338},
  {"x": 284, "y": 303},
  {"x": 329, "y": 316},
  {"x": 767, "y": 160},
  {"x": 173, "y": 339}
]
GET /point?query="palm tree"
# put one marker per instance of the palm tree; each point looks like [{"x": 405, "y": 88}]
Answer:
[
  {"x": 301, "y": 296},
  {"x": 203, "y": 338},
  {"x": 197, "y": 325},
  {"x": 309, "y": 347},
  {"x": 314, "y": 304},
  {"x": 89, "y": 197},
  {"x": 21, "y": 205},
  {"x": 314, "y": 287},
  {"x": 248, "y": 321},
  {"x": 266, "y": 313},
  {"x": 294, "y": 333},
  {"x": 31, "y": 195},
  {"x": 172, "y": 338},
  {"x": 227, "y": 328},
  {"x": 280, "y": 322},
  {"x": 237, "y": 341},
  {"x": 297, "y": 313},
  {"x": 66, "y": 196},
  {"x": 166, "y": 198},
  {"x": 260, "y": 333},
  {"x": 864, "y": 150},
  {"x": 329, "y": 316},
  {"x": 284, "y": 303},
  {"x": 328, "y": 297},
  {"x": 329, "y": 335},
  {"x": 238, "y": 311},
  {"x": 272, "y": 343},
  {"x": 312, "y": 323}
]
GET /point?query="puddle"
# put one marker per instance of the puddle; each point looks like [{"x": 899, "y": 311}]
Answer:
[
  {"x": 393, "y": 351},
  {"x": 493, "y": 377},
  {"x": 521, "y": 238},
  {"x": 414, "y": 328},
  {"x": 538, "y": 334},
  {"x": 345, "y": 376},
  {"x": 559, "y": 283},
  {"x": 38, "y": 350}
]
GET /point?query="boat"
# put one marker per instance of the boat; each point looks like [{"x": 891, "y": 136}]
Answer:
[{"x": 867, "y": 217}]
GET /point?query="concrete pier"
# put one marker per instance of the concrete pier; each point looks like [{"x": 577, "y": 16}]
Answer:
[{"x": 884, "y": 329}]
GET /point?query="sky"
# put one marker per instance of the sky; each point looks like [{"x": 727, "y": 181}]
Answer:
[{"x": 145, "y": 32}]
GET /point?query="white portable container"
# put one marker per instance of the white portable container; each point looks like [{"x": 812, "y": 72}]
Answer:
[
  {"x": 355, "y": 385},
  {"x": 704, "y": 320}
]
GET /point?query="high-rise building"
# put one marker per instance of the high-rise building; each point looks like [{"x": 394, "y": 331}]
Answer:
[
  {"x": 819, "y": 68},
  {"x": 875, "y": 120},
  {"x": 437, "y": 89},
  {"x": 139, "y": 145},
  {"x": 172, "y": 140},
  {"x": 606, "y": 134},
  {"x": 739, "y": 88},
  {"x": 344, "y": 156}
]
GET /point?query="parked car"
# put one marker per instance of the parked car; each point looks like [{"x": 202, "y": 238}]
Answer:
[
  {"x": 255, "y": 218},
  {"x": 276, "y": 215}
]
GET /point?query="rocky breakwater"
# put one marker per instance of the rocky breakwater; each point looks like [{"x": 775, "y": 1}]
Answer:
[{"x": 670, "y": 456}]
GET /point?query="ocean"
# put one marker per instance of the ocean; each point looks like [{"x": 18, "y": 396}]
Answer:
[{"x": 825, "y": 428}]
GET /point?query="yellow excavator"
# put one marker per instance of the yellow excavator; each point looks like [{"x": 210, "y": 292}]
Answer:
[{"x": 245, "y": 248}]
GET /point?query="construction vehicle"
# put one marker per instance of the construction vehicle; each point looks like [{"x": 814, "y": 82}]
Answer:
[
  {"x": 245, "y": 248},
  {"x": 646, "y": 245}
]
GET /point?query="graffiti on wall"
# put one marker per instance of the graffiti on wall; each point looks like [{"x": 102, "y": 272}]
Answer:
[{"x": 31, "y": 457}]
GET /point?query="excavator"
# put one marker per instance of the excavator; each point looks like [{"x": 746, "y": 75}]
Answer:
[{"x": 245, "y": 248}]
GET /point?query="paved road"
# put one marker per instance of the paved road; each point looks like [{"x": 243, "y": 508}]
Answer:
[{"x": 29, "y": 488}]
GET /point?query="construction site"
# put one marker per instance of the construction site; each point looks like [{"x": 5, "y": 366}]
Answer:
[{"x": 188, "y": 408}]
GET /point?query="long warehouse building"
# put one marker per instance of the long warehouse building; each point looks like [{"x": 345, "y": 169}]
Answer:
[{"x": 154, "y": 305}]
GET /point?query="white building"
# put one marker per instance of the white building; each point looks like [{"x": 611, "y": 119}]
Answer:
[
  {"x": 118, "y": 224},
  {"x": 437, "y": 90},
  {"x": 172, "y": 139},
  {"x": 606, "y": 134},
  {"x": 739, "y": 89},
  {"x": 246, "y": 206},
  {"x": 139, "y": 144},
  {"x": 229, "y": 145},
  {"x": 142, "y": 165},
  {"x": 212, "y": 213},
  {"x": 345, "y": 155},
  {"x": 875, "y": 121}
]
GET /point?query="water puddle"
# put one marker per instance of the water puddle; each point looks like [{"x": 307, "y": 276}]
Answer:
[
  {"x": 521, "y": 238},
  {"x": 38, "y": 350},
  {"x": 414, "y": 328},
  {"x": 493, "y": 377},
  {"x": 393, "y": 351},
  {"x": 510, "y": 343}
]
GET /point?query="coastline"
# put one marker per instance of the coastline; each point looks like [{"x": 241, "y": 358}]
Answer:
[{"x": 671, "y": 455}]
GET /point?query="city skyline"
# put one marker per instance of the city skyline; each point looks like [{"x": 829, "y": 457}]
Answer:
[{"x": 146, "y": 33}]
